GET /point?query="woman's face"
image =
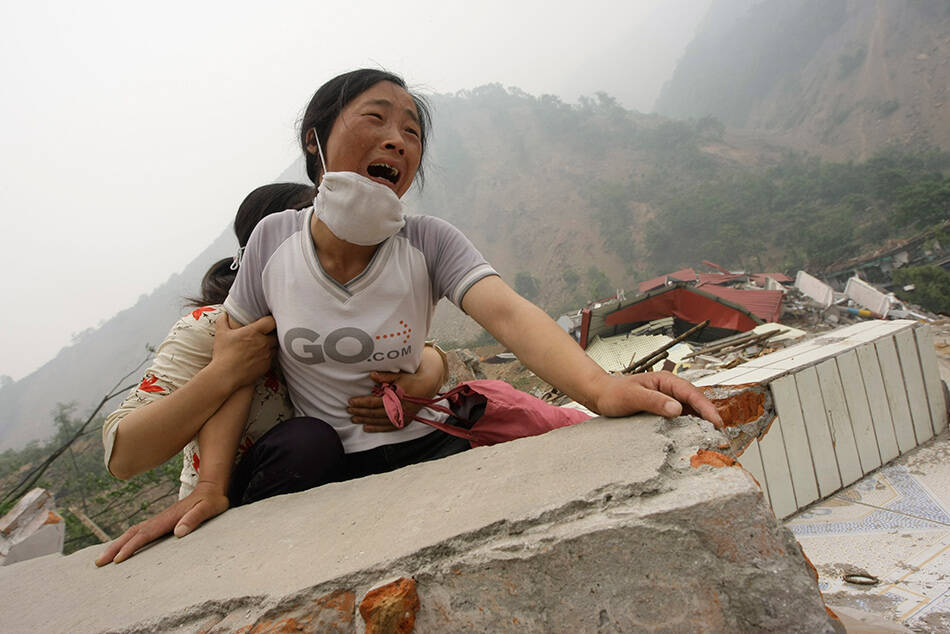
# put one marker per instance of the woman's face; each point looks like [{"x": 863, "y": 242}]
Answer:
[{"x": 377, "y": 135}]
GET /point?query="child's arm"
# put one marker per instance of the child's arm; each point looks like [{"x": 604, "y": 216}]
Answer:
[
  {"x": 550, "y": 353},
  {"x": 217, "y": 442},
  {"x": 151, "y": 434}
]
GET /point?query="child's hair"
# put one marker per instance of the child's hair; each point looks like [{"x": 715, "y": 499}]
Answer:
[
  {"x": 260, "y": 203},
  {"x": 332, "y": 97}
]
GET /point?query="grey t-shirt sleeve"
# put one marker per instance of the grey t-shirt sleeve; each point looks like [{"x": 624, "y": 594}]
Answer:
[
  {"x": 247, "y": 300},
  {"x": 453, "y": 262}
]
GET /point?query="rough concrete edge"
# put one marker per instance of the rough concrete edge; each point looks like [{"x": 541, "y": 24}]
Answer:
[
  {"x": 684, "y": 435},
  {"x": 539, "y": 536},
  {"x": 192, "y": 615}
]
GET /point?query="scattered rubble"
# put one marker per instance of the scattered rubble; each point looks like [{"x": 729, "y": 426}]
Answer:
[{"x": 31, "y": 529}]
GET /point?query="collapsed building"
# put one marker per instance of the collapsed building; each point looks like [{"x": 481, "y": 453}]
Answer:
[{"x": 637, "y": 524}]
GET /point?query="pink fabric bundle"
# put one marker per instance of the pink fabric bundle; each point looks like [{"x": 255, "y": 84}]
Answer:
[{"x": 508, "y": 413}]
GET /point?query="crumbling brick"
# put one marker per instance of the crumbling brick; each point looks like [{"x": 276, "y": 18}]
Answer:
[
  {"x": 741, "y": 407},
  {"x": 391, "y": 609},
  {"x": 746, "y": 410},
  {"x": 711, "y": 458}
]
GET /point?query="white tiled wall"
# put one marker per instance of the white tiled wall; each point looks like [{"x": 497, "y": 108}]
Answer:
[{"x": 847, "y": 402}]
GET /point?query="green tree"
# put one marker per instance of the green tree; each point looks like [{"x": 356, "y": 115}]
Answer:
[
  {"x": 598, "y": 284},
  {"x": 931, "y": 287},
  {"x": 571, "y": 279},
  {"x": 924, "y": 202}
]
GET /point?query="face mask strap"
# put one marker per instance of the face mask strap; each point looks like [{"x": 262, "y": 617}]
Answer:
[
  {"x": 236, "y": 262},
  {"x": 323, "y": 161}
]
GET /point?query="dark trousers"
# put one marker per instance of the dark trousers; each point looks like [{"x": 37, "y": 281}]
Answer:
[{"x": 303, "y": 453}]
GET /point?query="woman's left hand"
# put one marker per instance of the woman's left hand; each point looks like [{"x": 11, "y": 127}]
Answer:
[
  {"x": 660, "y": 393},
  {"x": 425, "y": 382}
]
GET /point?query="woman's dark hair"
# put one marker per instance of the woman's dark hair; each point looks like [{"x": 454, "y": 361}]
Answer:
[
  {"x": 332, "y": 97},
  {"x": 260, "y": 203}
]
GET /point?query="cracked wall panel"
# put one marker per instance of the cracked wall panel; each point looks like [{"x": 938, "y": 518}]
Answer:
[
  {"x": 819, "y": 435},
  {"x": 800, "y": 465},
  {"x": 931, "y": 373},
  {"x": 856, "y": 400},
  {"x": 777, "y": 476},
  {"x": 880, "y": 329},
  {"x": 839, "y": 422},
  {"x": 877, "y": 402},
  {"x": 914, "y": 385},
  {"x": 784, "y": 359},
  {"x": 751, "y": 461},
  {"x": 896, "y": 394}
]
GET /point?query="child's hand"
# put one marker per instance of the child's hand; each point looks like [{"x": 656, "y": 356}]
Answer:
[
  {"x": 183, "y": 516},
  {"x": 242, "y": 354},
  {"x": 660, "y": 393}
]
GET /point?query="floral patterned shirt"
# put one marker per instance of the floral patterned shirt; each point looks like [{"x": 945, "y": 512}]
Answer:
[{"x": 185, "y": 351}]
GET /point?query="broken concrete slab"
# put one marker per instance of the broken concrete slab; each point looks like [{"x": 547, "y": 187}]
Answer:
[
  {"x": 865, "y": 295},
  {"x": 599, "y": 526},
  {"x": 814, "y": 288},
  {"x": 32, "y": 528}
]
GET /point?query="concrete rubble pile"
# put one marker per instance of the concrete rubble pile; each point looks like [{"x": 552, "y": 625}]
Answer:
[
  {"x": 32, "y": 528},
  {"x": 636, "y": 524},
  {"x": 626, "y": 525}
]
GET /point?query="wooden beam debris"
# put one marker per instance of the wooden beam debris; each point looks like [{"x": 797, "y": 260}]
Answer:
[
  {"x": 92, "y": 526},
  {"x": 658, "y": 355}
]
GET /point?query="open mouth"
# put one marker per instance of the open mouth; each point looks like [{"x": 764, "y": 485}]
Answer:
[{"x": 381, "y": 170}]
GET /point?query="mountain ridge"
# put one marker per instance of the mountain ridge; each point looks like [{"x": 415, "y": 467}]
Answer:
[{"x": 835, "y": 77}]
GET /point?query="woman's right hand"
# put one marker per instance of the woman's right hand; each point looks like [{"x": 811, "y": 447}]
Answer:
[
  {"x": 243, "y": 354},
  {"x": 425, "y": 382}
]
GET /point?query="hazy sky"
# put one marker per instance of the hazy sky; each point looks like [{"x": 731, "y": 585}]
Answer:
[{"x": 129, "y": 134}]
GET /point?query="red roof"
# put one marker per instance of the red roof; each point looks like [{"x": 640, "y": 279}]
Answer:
[
  {"x": 766, "y": 305},
  {"x": 690, "y": 304},
  {"x": 683, "y": 275},
  {"x": 713, "y": 265},
  {"x": 759, "y": 278},
  {"x": 718, "y": 278}
]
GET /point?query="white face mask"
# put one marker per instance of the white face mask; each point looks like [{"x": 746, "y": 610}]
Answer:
[{"x": 355, "y": 208}]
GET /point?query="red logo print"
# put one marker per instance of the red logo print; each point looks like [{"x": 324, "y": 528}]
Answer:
[
  {"x": 196, "y": 313},
  {"x": 150, "y": 384},
  {"x": 195, "y": 461},
  {"x": 403, "y": 331}
]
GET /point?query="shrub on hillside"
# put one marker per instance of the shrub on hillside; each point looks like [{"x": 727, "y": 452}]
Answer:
[{"x": 931, "y": 287}]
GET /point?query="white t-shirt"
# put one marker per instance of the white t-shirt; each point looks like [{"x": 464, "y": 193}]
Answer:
[{"x": 333, "y": 335}]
